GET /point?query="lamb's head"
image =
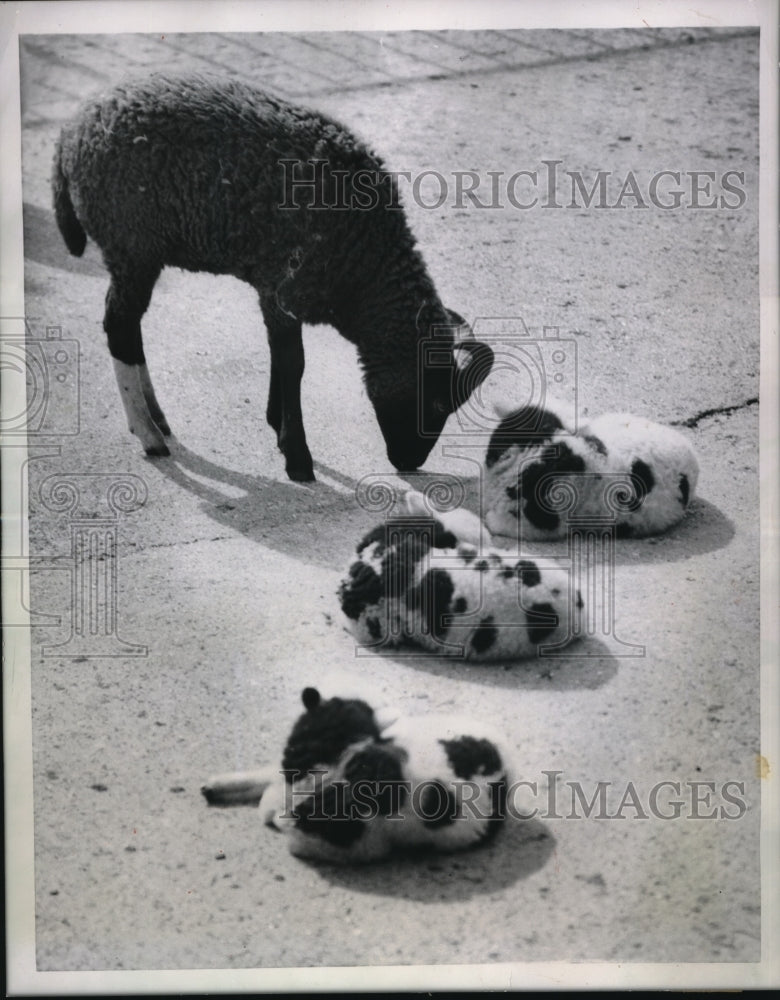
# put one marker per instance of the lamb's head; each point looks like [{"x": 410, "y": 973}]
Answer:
[
  {"x": 414, "y": 399},
  {"x": 334, "y": 748},
  {"x": 325, "y": 730}
]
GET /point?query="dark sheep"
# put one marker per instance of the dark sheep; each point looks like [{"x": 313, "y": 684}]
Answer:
[{"x": 211, "y": 174}]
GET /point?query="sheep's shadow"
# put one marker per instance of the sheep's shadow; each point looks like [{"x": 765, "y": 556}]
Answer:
[
  {"x": 316, "y": 522},
  {"x": 584, "y": 665},
  {"x": 703, "y": 529},
  {"x": 520, "y": 848}
]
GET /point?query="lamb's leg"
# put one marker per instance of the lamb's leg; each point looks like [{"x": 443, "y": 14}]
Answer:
[
  {"x": 239, "y": 788},
  {"x": 284, "y": 398},
  {"x": 126, "y": 301}
]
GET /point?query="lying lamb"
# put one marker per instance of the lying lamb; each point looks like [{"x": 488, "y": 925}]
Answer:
[
  {"x": 435, "y": 584},
  {"x": 211, "y": 174},
  {"x": 357, "y": 785},
  {"x": 541, "y": 469}
]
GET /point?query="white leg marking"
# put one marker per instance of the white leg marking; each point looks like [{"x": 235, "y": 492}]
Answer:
[
  {"x": 139, "y": 419},
  {"x": 151, "y": 400}
]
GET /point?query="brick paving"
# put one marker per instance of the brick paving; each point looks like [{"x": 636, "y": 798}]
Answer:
[{"x": 59, "y": 69}]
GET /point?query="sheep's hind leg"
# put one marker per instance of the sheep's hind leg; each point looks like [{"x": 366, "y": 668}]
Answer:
[
  {"x": 151, "y": 400},
  {"x": 284, "y": 397},
  {"x": 126, "y": 301}
]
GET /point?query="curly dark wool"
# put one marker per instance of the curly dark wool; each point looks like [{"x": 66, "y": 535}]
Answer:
[
  {"x": 527, "y": 427},
  {"x": 328, "y": 816},
  {"x": 406, "y": 544},
  {"x": 375, "y": 777},
  {"x": 484, "y": 635},
  {"x": 643, "y": 481},
  {"x": 437, "y": 805},
  {"x": 433, "y": 597},
  {"x": 543, "y": 621},
  {"x": 363, "y": 589},
  {"x": 469, "y": 756},
  {"x": 537, "y": 508},
  {"x": 322, "y": 734},
  {"x": 528, "y": 572}
]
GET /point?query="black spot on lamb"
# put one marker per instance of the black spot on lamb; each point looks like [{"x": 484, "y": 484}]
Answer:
[
  {"x": 434, "y": 582},
  {"x": 358, "y": 785},
  {"x": 211, "y": 174},
  {"x": 541, "y": 468}
]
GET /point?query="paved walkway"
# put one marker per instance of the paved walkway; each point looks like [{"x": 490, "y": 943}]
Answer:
[{"x": 226, "y": 572}]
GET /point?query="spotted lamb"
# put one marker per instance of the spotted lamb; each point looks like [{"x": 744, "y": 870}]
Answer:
[
  {"x": 433, "y": 583},
  {"x": 209, "y": 173},
  {"x": 358, "y": 785},
  {"x": 541, "y": 469}
]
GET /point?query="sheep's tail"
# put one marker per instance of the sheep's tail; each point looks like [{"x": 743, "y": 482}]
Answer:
[{"x": 70, "y": 227}]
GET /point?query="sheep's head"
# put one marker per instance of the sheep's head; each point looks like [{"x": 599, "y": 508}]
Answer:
[{"x": 413, "y": 409}]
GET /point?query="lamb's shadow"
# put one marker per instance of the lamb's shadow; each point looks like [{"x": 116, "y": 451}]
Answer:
[
  {"x": 584, "y": 665},
  {"x": 703, "y": 529},
  {"x": 521, "y": 848},
  {"x": 314, "y": 522}
]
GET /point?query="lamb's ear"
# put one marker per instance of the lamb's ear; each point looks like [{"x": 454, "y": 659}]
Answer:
[
  {"x": 473, "y": 361},
  {"x": 311, "y": 698},
  {"x": 415, "y": 504},
  {"x": 466, "y": 527},
  {"x": 385, "y": 716}
]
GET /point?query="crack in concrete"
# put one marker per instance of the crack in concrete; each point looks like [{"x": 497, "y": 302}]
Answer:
[
  {"x": 714, "y": 412},
  {"x": 183, "y": 541}
]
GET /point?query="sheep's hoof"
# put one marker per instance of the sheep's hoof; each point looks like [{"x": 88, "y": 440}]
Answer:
[
  {"x": 301, "y": 473},
  {"x": 158, "y": 450}
]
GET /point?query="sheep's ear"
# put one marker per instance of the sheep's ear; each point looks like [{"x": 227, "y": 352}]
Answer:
[
  {"x": 473, "y": 361},
  {"x": 463, "y": 331},
  {"x": 311, "y": 698},
  {"x": 429, "y": 319}
]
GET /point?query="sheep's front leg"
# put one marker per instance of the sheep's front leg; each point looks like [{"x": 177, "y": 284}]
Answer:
[
  {"x": 126, "y": 301},
  {"x": 284, "y": 397}
]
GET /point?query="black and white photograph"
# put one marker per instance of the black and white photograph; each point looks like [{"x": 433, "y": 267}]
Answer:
[{"x": 389, "y": 465}]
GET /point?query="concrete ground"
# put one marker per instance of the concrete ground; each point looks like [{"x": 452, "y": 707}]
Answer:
[{"x": 226, "y": 572}]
